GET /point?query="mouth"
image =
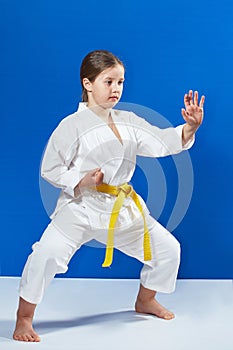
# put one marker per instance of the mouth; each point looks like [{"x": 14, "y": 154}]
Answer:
[{"x": 113, "y": 98}]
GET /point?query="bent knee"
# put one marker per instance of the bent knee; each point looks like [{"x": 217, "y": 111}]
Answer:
[
  {"x": 174, "y": 250},
  {"x": 45, "y": 250},
  {"x": 48, "y": 254}
]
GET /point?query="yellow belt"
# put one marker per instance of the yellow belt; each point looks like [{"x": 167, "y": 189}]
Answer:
[{"x": 121, "y": 192}]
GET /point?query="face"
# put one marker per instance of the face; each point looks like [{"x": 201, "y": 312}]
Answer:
[{"x": 107, "y": 88}]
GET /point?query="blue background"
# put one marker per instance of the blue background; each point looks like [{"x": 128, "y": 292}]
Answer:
[{"x": 168, "y": 47}]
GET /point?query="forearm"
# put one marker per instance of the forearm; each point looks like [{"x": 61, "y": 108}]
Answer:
[{"x": 188, "y": 133}]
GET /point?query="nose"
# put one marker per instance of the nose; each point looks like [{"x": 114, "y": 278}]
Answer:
[{"x": 115, "y": 87}]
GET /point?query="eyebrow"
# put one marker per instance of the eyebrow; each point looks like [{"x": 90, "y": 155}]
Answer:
[{"x": 114, "y": 78}]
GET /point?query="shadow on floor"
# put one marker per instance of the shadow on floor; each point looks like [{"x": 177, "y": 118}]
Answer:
[
  {"x": 44, "y": 327},
  {"x": 119, "y": 317}
]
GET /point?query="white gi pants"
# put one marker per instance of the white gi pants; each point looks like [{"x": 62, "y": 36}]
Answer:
[{"x": 66, "y": 233}]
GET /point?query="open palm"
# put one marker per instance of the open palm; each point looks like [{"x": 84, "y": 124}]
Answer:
[{"x": 193, "y": 111}]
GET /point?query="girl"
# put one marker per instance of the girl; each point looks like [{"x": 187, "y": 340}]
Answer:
[{"x": 91, "y": 156}]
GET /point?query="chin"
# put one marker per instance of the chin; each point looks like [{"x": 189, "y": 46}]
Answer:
[{"x": 109, "y": 104}]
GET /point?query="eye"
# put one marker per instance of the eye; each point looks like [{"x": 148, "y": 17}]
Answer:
[
  {"x": 120, "y": 82},
  {"x": 108, "y": 82}
]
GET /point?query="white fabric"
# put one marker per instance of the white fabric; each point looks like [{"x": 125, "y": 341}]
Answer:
[
  {"x": 83, "y": 142},
  {"x": 51, "y": 255}
]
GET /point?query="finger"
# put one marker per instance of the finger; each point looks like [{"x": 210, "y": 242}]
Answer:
[
  {"x": 202, "y": 101},
  {"x": 98, "y": 171},
  {"x": 196, "y": 98},
  {"x": 94, "y": 171},
  {"x": 191, "y": 97},
  {"x": 99, "y": 178},
  {"x": 186, "y": 100},
  {"x": 184, "y": 114}
]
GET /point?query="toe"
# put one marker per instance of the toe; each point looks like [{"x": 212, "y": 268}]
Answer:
[
  {"x": 24, "y": 338},
  {"x": 18, "y": 337},
  {"x": 36, "y": 338},
  {"x": 30, "y": 338},
  {"x": 169, "y": 316}
]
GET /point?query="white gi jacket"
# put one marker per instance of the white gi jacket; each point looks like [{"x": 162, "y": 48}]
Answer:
[{"x": 83, "y": 142}]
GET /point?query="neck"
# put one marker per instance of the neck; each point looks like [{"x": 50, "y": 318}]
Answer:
[{"x": 102, "y": 112}]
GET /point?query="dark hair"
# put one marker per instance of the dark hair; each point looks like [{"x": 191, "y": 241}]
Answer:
[{"x": 93, "y": 64}]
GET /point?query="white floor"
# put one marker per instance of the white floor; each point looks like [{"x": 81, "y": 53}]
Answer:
[{"x": 93, "y": 314}]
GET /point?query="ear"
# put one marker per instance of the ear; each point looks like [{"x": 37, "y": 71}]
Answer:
[{"x": 87, "y": 84}]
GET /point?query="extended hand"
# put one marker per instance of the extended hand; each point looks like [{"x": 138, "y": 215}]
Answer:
[{"x": 193, "y": 112}]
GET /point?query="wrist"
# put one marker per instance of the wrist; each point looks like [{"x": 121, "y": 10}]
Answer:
[
  {"x": 191, "y": 128},
  {"x": 77, "y": 188},
  {"x": 76, "y": 191},
  {"x": 188, "y": 133}
]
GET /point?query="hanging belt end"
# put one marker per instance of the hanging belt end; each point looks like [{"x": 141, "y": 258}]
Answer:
[
  {"x": 108, "y": 257},
  {"x": 147, "y": 247},
  {"x": 147, "y": 256}
]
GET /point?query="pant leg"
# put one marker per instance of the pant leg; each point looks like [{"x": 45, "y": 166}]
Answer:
[
  {"x": 160, "y": 273},
  {"x": 51, "y": 255}
]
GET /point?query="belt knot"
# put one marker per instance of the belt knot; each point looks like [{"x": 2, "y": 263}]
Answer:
[{"x": 126, "y": 188}]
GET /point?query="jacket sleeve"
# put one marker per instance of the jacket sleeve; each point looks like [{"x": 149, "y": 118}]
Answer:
[
  {"x": 155, "y": 142},
  {"x": 57, "y": 165}
]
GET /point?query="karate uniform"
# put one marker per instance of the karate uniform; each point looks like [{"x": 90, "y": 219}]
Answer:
[{"x": 83, "y": 142}]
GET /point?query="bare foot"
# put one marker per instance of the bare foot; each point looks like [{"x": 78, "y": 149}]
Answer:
[
  {"x": 153, "y": 307},
  {"x": 24, "y": 330}
]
